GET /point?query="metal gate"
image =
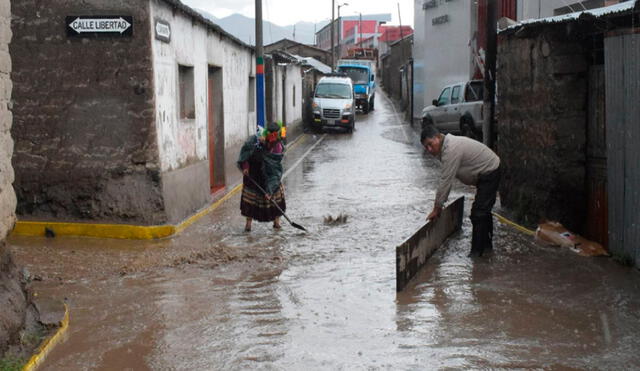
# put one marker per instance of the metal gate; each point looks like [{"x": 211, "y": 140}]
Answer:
[{"x": 622, "y": 71}]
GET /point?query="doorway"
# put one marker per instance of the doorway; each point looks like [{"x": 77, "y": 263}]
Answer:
[{"x": 215, "y": 128}]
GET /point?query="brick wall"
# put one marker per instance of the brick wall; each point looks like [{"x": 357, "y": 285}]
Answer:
[
  {"x": 542, "y": 87},
  {"x": 389, "y": 73},
  {"x": 84, "y": 119}
]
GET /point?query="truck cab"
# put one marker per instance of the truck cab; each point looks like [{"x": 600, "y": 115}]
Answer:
[
  {"x": 458, "y": 109},
  {"x": 364, "y": 84},
  {"x": 333, "y": 103}
]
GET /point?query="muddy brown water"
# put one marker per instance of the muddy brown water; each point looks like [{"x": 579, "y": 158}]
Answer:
[{"x": 218, "y": 298}]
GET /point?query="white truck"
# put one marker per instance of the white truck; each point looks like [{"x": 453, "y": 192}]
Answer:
[{"x": 458, "y": 109}]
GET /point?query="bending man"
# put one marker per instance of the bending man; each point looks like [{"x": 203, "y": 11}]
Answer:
[{"x": 472, "y": 163}]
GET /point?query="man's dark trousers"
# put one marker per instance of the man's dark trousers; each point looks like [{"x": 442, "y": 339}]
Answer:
[{"x": 481, "y": 218}]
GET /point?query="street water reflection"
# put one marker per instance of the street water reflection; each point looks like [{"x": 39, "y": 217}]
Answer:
[{"x": 218, "y": 298}]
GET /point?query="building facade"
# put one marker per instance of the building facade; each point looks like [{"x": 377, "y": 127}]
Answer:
[
  {"x": 144, "y": 128},
  {"x": 567, "y": 124},
  {"x": 303, "y": 50},
  {"x": 283, "y": 91},
  {"x": 442, "y": 54},
  {"x": 12, "y": 299},
  {"x": 391, "y": 34},
  {"x": 349, "y": 31},
  {"x": 395, "y": 72}
]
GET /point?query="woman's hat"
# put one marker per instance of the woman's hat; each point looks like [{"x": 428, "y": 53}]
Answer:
[{"x": 273, "y": 126}]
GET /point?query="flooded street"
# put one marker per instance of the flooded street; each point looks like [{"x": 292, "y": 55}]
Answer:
[{"x": 215, "y": 297}]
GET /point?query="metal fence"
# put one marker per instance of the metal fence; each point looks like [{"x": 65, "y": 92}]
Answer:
[{"x": 622, "y": 65}]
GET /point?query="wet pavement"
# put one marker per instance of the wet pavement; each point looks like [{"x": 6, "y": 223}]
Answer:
[{"x": 216, "y": 297}]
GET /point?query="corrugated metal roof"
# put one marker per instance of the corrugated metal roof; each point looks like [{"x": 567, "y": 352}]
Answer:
[
  {"x": 315, "y": 64},
  {"x": 592, "y": 13}
]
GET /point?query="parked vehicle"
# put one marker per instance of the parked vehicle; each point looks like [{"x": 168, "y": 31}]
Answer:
[
  {"x": 458, "y": 109},
  {"x": 334, "y": 103},
  {"x": 364, "y": 85},
  {"x": 360, "y": 62}
]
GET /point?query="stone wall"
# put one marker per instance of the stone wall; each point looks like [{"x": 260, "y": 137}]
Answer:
[
  {"x": 390, "y": 73},
  {"x": 12, "y": 299},
  {"x": 541, "y": 113},
  {"x": 84, "y": 130}
]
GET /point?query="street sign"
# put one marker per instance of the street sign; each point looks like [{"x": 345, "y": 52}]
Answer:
[
  {"x": 99, "y": 26},
  {"x": 163, "y": 30}
]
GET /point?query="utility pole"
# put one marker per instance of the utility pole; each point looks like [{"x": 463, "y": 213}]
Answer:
[
  {"x": 490, "y": 74},
  {"x": 340, "y": 30},
  {"x": 333, "y": 49},
  {"x": 259, "y": 67},
  {"x": 360, "y": 29}
]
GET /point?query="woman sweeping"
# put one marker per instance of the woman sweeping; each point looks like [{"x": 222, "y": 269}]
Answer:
[{"x": 261, "y": 162}]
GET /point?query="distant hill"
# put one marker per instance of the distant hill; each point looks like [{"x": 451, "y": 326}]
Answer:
[
  {"x": 207, "y": 15},
  {"x": 244, "y": 29}
]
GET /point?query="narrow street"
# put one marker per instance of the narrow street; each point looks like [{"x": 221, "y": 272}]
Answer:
[{"x": 215, "y": 297}]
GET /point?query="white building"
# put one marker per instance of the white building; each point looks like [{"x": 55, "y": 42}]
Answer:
[
  {"x": 441, "y": 49},
  {"x": 205, "y": 108},
  {"x": 171, "y": 98},
  {"x": 446, "y": 50}
]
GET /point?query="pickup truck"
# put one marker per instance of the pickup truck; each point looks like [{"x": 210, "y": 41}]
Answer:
[
  {"x": 364, "y": 84},
  {"x": 459, "y": 109}
]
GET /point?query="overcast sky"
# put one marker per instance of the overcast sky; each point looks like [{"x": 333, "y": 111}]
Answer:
[{"x": 288, "y": 12}]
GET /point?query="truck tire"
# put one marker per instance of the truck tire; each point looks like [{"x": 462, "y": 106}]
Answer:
[
  {"x": 466, "y": 128},
  {"x": 365, "y": 107},
  {"x": 371, "y": 105}
]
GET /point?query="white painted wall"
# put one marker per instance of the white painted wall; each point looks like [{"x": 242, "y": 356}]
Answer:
[
  {"x": 182, "y": 142},
  {"x": 293, "y": 86},
  {"x": 442, "y": 55},
  {"x": 293, "y": 78}
]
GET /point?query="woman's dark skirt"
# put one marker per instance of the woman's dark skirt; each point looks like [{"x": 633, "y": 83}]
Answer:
[{"x": 255, "y": 206}]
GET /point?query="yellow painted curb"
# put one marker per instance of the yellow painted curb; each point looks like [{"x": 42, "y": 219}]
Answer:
[
  {"x": 48, "y": 344},
  {"x": 506, "y": 221},
  {"x": 123, "y": 231},
  {"x": 118, "y": 231},
  {"x": 182, "y": 226}
]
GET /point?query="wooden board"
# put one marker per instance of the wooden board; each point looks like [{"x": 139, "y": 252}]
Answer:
[{"x": 413, "y": 253}]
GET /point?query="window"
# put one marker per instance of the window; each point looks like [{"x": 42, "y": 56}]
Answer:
[
  {"x": 335, "y": 91},
  {"x": 474, "y": 91},
  {"x": 251, "y": 101},
  {"x": 187, "y": 101},
  {"x": 358, "y": 75},
  {"x": 294, "y": 95},
  {"x": 444, "y": 97},
  {"x": 455, "y": 94}
]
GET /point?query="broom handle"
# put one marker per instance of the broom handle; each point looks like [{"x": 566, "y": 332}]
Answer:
[{"x": 270, "y": 199}]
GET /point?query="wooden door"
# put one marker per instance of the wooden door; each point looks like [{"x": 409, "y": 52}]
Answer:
[{"x": 211, "y": 125}]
